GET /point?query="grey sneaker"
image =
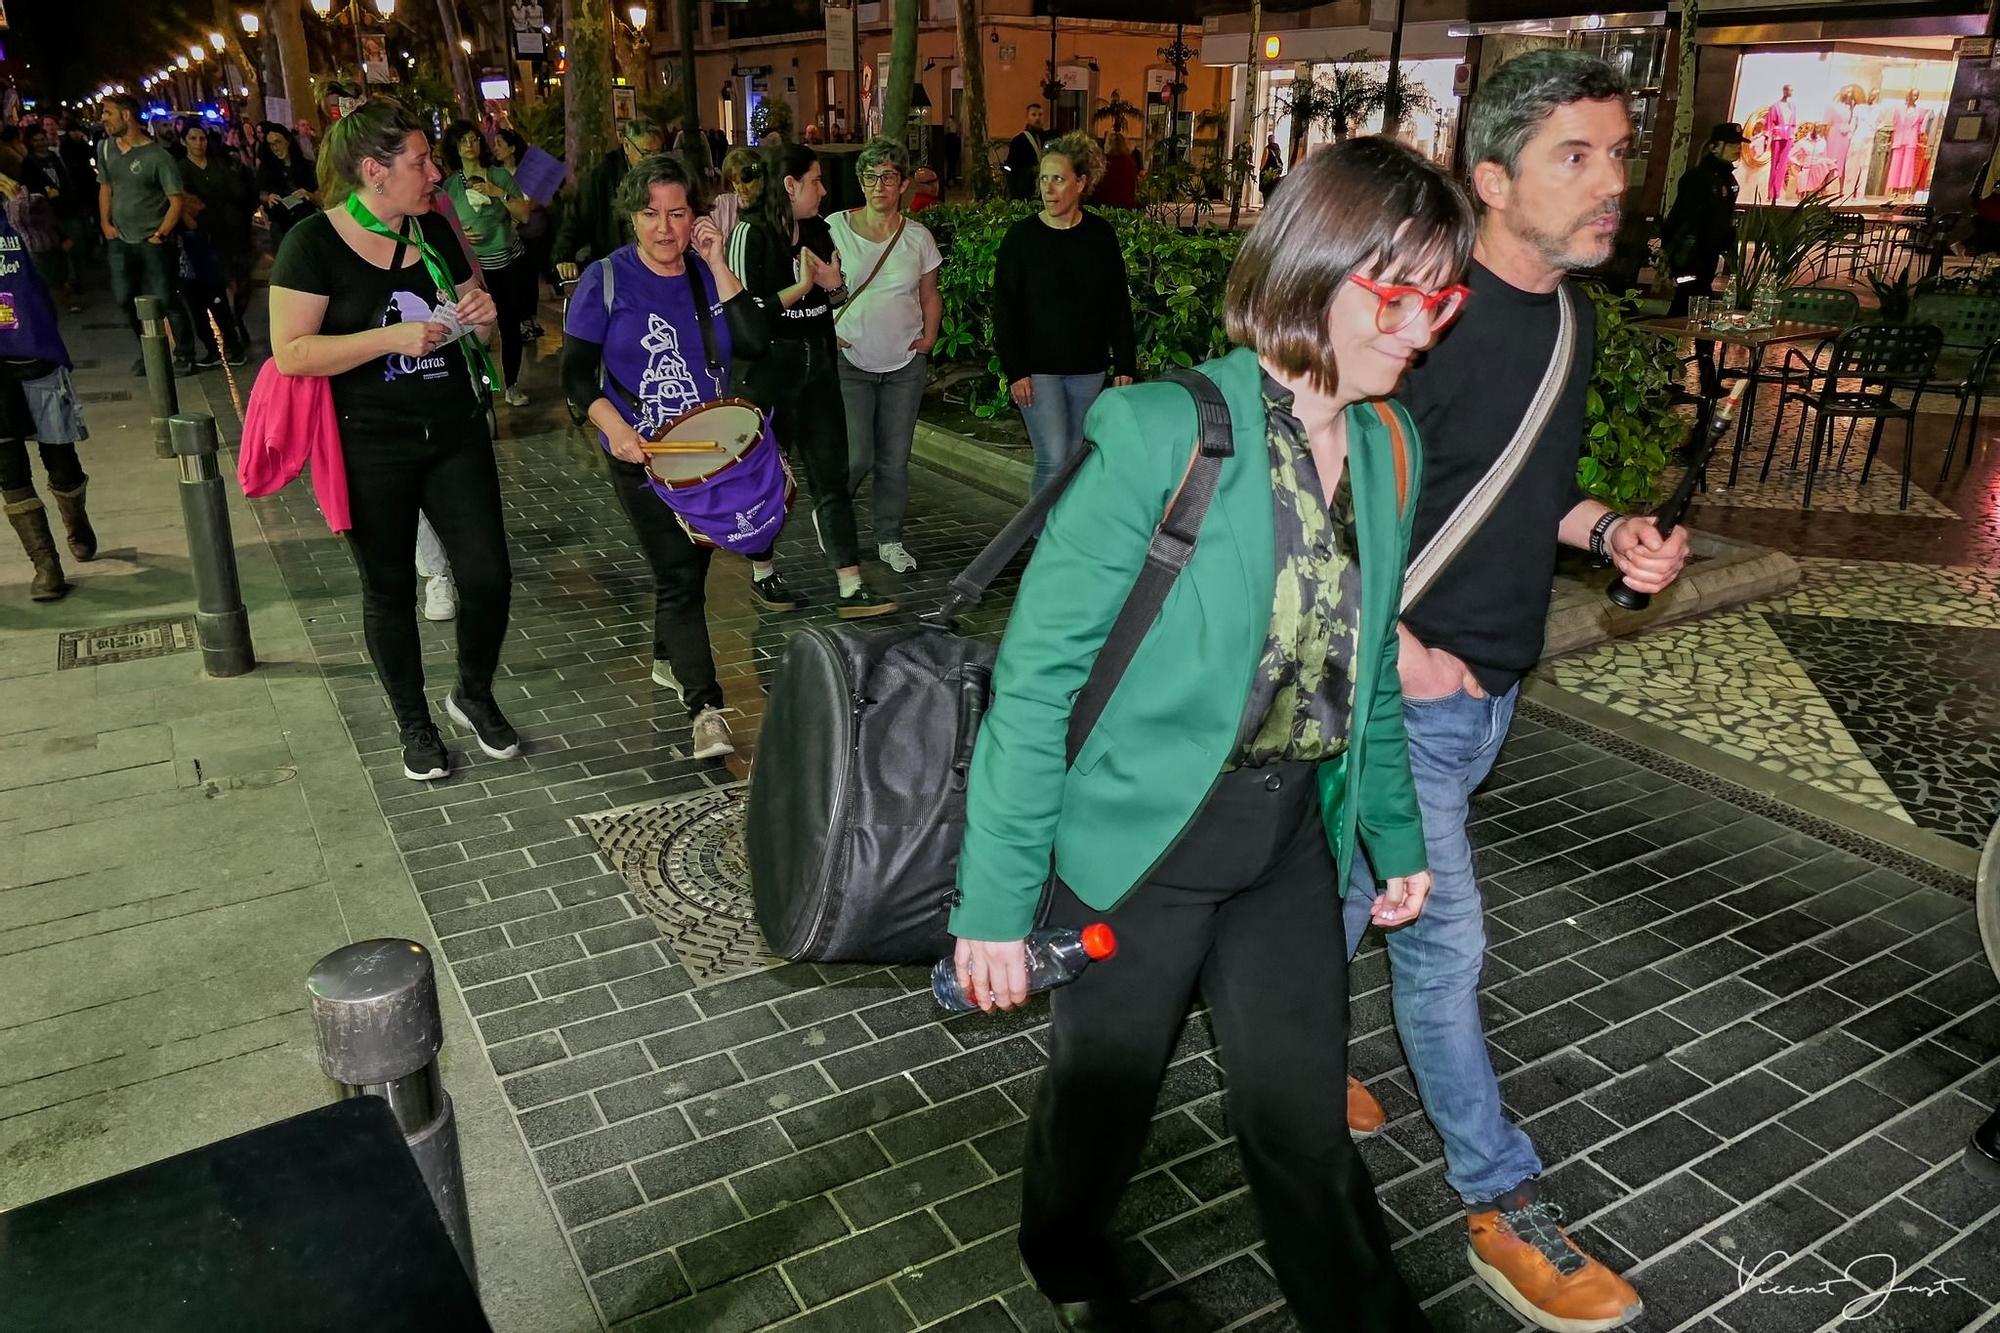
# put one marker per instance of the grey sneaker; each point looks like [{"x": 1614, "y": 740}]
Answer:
[
  {"x": 663, "y": 676},
  {"x": 897, "y": 557},
  {"x": 711, "y": 735}
]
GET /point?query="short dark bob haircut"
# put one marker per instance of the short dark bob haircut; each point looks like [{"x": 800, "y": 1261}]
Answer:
[
  {"x": 635, "y": 191},
  {"x": 1368, "y": 206}
]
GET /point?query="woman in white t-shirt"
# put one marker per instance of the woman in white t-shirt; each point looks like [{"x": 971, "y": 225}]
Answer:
[{"x": 886, "y": 329}]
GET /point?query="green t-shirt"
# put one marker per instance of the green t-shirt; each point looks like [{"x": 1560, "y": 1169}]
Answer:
[
  {"x": 143, "y": 180},
  {"x": 488, "y": 224}
]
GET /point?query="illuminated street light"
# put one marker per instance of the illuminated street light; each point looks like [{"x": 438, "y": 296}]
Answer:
[
  {"x": 465, "y": 45},
  {"x": 215, "y": 40},
  {"x": 322, "y": 7},
  {"x": 250, "y": 22},
  {"x": 181, "y": 63},
  {"x": 386, "y": 8},
  {"x": 637, "y": 13},
  {"x": 196, "y": 54}
]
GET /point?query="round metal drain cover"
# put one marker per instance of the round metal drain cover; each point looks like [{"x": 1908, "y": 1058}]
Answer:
[{"x": 685, "y": 862}]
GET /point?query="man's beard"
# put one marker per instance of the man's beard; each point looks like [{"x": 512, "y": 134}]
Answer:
[{"x": 1562, "y": 249}]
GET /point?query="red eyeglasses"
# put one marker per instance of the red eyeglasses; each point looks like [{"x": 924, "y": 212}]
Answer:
[{"x": 1399, "y": 306}]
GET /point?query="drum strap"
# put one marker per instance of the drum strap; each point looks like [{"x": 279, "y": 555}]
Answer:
[{"x": 702, "y": 316}]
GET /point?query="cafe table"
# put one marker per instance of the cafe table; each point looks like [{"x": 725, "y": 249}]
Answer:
[
  {"x": 1754, "y": 340},
  {"x": 320, "y": 1222}
]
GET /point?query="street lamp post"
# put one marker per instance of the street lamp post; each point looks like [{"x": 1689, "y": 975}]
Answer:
[{"x": 635, "y": 16}]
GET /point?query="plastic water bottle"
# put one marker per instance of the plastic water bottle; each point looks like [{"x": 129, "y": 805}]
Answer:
[{"x": 1055, "y": 958}]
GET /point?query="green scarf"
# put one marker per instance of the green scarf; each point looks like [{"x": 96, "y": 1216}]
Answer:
[{"x": 476, "y": 359}]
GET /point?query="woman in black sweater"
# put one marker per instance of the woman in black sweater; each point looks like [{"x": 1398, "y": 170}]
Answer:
[
  {"x": 785, "y": 256},
  {"x": 1061, "y": 309},
  {"x": 286, "y": 183}
]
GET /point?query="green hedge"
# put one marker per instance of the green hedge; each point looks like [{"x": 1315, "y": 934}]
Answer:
[{"x": 1177, "y": 279}]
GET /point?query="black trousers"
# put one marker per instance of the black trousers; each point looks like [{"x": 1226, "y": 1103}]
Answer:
[
  {"x": 680, "y": 586},
  {"x": 513, "y": 289},
  {"x": 1245, "y": 909},
  {"x": 448, "y": 472},
  {"x": 811, "y": 421},
  {"x": 65, "y": 469}
]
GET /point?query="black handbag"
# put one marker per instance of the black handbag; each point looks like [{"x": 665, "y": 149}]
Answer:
[{"x": 857, "y": 805}]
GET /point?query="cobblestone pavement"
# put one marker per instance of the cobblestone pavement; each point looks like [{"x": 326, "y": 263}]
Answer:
[
  {"x": 1731, "y": 1029},
  {"x": 1877, "y": 679}
]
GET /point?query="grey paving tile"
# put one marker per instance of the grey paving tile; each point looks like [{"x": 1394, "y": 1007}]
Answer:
[
  {"x": 691, "y": 1164},
  {"x": 1655, "y": 1149},
  {"x": 1857, "y": 1178},
  {"x": 963, "y": 1118},
  {"x": 654, "y": 1227},
  {"x": 559, "y": 1120},
  {"x": 596, "y": 1070},
  {"x": 801, "y": 1175},
  {"x": 754, "y": 1302},
  {"x": 1842, "y": 1114},
  {"x": 667, "y": 1088},
  {"x": 962, "y": 1279},
  {"x": 837, "y": 1116},
  {"x": 872, "y": 1308},
  {"x": 867, "y": 1257},
  {"x": 1665, "y": 1213},
  {"x": 627, "y": 1141},
  {"x": 596, "y": 1197},
  {"x": 889, "y": 1057},
  {"x": 637, "y": 1288},
  {"x": 913, "y": 1185},
  {"x": 763, "y": 1240},
  {"x": 1744, "y": 1102}
]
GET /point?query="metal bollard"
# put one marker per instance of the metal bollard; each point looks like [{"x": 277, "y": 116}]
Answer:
[
  {"x": 376, "y": 1024},
  {"x": 220, "y": 620},
  {"x": 159, "y": 370}
]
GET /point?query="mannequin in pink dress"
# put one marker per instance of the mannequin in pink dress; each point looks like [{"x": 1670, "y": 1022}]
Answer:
[
  {"x": 1809, "y": 159},
  {"x": 1839, "y": 129},
  {"x": 1781, "y": 125},
  {"x": 1908, "y": 134}
]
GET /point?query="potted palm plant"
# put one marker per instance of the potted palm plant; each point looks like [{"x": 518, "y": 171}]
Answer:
[{"x": 1773, "y": 242}]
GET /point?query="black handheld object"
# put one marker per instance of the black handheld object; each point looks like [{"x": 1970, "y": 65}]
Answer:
[{"x": 1675, "y": 509}]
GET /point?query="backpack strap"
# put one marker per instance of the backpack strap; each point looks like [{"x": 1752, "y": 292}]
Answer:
[
  {"x": 1399, "y": 446},
  {"x": 1171, "y": 549}
]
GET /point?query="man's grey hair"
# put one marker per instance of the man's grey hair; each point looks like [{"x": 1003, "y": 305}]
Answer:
[
  {"x": 882, "y": 151},
  {"x": 1511, "y": 105},
  {"x": 636, "y": 130}
]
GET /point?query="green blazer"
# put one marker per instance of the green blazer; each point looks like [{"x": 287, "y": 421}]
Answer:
[{"x": 1156, "y": 752}]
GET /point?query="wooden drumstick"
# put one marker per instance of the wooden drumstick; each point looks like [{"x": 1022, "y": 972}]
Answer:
[{"x": 681, "y": 447}]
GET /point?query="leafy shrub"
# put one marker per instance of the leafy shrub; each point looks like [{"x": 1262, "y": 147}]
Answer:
[
  {"x": 1177, "y": 279},
  {"x": 1629, "y": 423}
]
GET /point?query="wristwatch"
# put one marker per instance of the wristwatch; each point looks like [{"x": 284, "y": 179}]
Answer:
[{"x": 1600, "y": 535}]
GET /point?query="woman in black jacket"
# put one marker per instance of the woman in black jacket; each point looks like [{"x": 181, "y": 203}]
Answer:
[
  {"x": 785, "y": 256},
  {"x": 283, "y": 174},
  {"x": 1062, "y": 312}
]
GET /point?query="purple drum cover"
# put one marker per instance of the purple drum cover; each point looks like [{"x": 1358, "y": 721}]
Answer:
[{"x": 740, "y": 508}]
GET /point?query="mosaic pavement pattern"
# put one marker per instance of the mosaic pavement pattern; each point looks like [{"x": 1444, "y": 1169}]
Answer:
[
  {"x": 1923, "y": 704},
  {"x": 1895, "y": 590},
  {"x": 1727, "y": 1035}
]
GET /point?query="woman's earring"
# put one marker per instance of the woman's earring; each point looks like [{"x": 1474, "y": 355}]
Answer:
[{"x": 378, "y": 187}]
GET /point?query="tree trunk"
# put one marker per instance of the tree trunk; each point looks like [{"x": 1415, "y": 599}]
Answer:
[
  {"x": 1683, "y": 140},
  {"x": 1248, "y": 142},
  {"x": 286, "y": 27},
  {"x": 902, "y": 71},
  {"x": 696, "y": 151},
  {"x": 587, "y": 130},
  {"x": 227, "y": 24},
  {"x": 457, "y": 61},
  {"x": 972, "y": 106}
]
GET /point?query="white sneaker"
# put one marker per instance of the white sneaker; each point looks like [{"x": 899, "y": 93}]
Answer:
[
  {"x": 711, "y": 735},
  {"x": 897, "y": 558},
  {"x": 516, "y": 396},
  {"x": 440, "y": 598},
  {"x": 663, "y": 676}
]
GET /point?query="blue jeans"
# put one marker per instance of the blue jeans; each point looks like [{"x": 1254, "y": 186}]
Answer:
[
  {"x": 1055, "y": 421},
  {"x": 881, "y": 427},
  {"x": 1434, "y": 962}
]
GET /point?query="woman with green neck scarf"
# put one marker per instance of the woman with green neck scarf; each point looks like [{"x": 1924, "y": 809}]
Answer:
[{"x": 374, "y": 294}]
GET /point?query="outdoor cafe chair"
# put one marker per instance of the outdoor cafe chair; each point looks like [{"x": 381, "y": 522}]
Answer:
[
  {"x": 1877, "y": 362},
  {"x": 1970, "y": 324}
]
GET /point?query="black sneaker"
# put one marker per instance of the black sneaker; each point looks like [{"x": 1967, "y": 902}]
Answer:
[
  {"x": 237, "y": 357},
  {"x": 424, "y": 755},
  {"x": 861, "y": 604},
  {"x": 483, "y": 718},
  {"x": 207, "y": 358},
  {"x": 183, "y": 366},
  {"x": 773, "y": 595}
]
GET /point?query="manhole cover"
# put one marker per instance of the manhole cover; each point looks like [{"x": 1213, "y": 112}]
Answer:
[
  {"x": 684, "y": 860},
  {"x": 124, "y": 643}
]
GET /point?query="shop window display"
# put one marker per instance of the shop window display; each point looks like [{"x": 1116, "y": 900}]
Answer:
[{"x": 1863, "y": 127}]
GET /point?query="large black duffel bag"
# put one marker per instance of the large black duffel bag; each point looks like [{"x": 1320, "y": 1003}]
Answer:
[{"x": 857, "y": 803}]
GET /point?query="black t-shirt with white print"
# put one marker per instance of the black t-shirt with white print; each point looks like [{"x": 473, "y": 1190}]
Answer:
[{"x": 390, "y": 393}]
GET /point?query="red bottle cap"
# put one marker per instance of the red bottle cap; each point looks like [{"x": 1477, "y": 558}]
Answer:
[{"x": 1099, "y": 942}]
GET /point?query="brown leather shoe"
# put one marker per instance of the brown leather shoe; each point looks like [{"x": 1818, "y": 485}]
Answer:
[
  {"x": 1518, "y": 1249},
  {"x": 1364, "y": 1113}
]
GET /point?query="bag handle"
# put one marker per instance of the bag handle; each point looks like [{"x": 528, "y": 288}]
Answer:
[
  {"x": 1483, "y": 499},
  {"x": 902, "y": 221},
  {"x": 1399, "y": 449}
]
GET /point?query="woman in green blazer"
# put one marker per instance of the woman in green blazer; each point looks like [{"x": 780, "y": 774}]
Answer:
[{"x": 1211, "y": 814}]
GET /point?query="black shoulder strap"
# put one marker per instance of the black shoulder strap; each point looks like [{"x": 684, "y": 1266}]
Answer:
[
  {"x": 1171, "y": 549},
  {"x": 704, "y": 317}
]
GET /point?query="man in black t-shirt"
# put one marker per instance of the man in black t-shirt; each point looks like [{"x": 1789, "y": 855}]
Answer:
[{"x": 1547, "y": 135}]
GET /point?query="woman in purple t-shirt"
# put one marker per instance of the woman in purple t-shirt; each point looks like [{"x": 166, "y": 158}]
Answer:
[{"x": 636, "y": 362}]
